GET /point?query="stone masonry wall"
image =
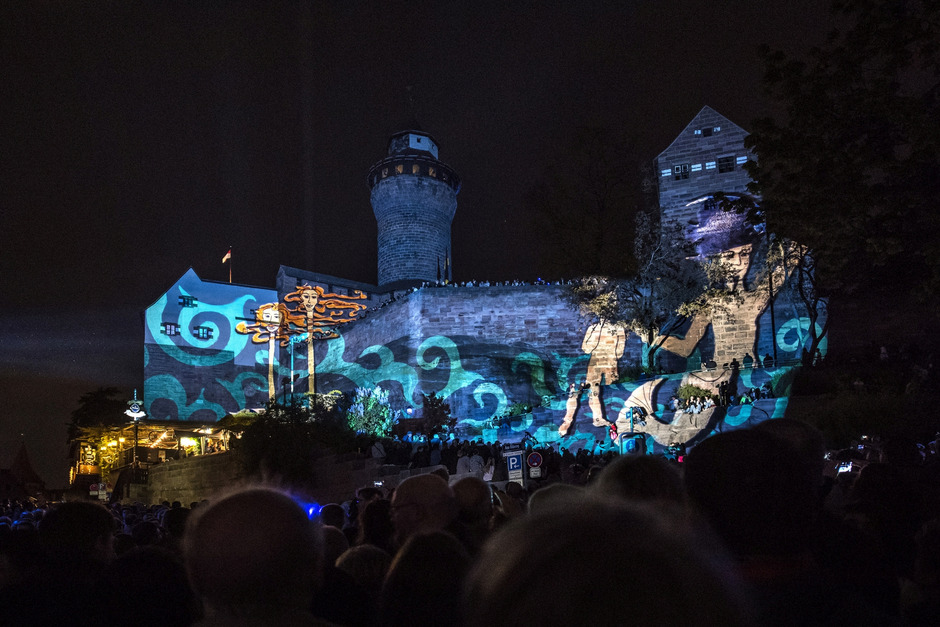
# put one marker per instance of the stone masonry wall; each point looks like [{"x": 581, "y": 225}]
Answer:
[
  {"x": 189, "y": 479},
  {"x": 484, "y": 345},
  {"x": 414, "y": 215}
]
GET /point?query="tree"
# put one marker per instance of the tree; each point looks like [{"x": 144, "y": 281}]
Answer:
[
  {"x": 851, "y": 174},
  {"x": 672, "y": 284},
  {"x": 792, "y": 264},
  {"x": 97, "y": 409},
  {"x": 583, "y": 205},
  {"x": 370, "y": 412},
  {"x": 800, "y": 271},
  {"x": 283, "y": 442},
  {"x": 435, "y": 416}
]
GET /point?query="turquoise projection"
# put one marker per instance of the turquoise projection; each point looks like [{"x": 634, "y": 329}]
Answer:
[{"x": 215, "y": 348}]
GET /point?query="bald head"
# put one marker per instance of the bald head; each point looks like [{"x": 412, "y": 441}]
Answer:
[
  {"x": 253, "y": 548},
  {"x": 422, "y": 504}
]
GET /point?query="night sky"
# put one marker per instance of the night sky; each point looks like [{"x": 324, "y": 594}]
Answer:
[{"x": 140, "y": 139}]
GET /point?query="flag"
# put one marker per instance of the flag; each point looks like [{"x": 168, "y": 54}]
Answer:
[{"x": 227, "y": 256}]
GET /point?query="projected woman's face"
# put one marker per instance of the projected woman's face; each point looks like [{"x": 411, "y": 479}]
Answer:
[
  {"x": 271, "y": 315},
  {"x": 310, "y": 298}
]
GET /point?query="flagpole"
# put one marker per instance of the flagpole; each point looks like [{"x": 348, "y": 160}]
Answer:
[{"x": 228, "y": 259}]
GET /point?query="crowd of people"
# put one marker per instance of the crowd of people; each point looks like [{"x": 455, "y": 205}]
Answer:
[{"x": 755, "y": 527}]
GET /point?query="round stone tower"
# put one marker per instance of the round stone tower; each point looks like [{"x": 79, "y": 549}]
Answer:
[{"x": 414, "y": 197}]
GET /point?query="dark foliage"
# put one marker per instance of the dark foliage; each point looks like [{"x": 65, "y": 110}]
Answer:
[
  {"x": 282, "y": 443},
  {"x": 97, "y": 409}
]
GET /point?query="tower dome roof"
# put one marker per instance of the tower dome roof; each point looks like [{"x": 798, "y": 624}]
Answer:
[{"x": 413, "y": 142}]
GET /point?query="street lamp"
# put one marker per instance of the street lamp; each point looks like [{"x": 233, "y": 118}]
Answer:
[{"x": 135, "y": 412}]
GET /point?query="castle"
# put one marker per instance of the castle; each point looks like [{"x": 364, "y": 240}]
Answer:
[{"x": 216, "y": 348}]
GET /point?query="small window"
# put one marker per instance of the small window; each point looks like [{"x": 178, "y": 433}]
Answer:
[
  {"x": 696, "y": 167},
  {"x": 432, "y": 172},
  {"x": 384, "y": 172},
  {"x": 188, "y": 301},
  {"x": 665, "y": 172},
  {"x": 709, "y": 165},
  {"x": 680, "y": 172},
  {"x": 399, "y": 168},
  {"x": 170, "y": 328},
  {"x": 444, "y": 176},
  {"x": 202, "y": 333},
  {"x": 741, "y": 160},
  {"x": 697, "y": 131},
  {"x": 416, "y": 169},
  {"x": 706, "y": 132},
  {"x": 725, "y": 164}
]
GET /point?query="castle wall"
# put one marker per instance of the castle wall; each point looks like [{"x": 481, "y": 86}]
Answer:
[
  {"x": 483, "y": 348},
  {"x": 188, "y": 480}
]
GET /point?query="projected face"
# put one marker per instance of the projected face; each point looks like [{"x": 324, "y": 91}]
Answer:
[
  {"x": 309, "y": 298},
  {"x": 739, "y": 259},
  {"x": 271, "y": 316}
]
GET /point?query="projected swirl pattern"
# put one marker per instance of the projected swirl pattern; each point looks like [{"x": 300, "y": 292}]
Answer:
[{"x": 213, "y": 349}]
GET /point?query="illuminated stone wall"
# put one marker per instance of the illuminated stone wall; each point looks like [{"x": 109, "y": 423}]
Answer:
[{"x": 483, "y": 347}]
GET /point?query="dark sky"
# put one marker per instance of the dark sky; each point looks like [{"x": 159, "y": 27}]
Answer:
[{"x": 140, "y": 139}]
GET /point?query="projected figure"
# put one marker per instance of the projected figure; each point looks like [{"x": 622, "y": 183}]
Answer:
[
  {"x": 270, "y": 324},
  {"x": 748, "y": 306},
  {"x": 318, "y": 313},
  {"x": 571, "y": 408},
  {"x": 604, "y": 342}
]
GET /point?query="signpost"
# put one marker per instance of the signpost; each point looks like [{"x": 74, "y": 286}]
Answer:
[
  {"x": 534, "y": 460},
  {"x": 514, "y": 465},
  {"x": 135, "y": 412}
]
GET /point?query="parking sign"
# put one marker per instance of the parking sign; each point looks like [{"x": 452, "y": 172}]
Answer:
[{"x": 514, "y": 464}]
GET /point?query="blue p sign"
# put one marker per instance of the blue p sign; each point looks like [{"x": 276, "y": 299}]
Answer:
[{"x": 514, "y": 462}]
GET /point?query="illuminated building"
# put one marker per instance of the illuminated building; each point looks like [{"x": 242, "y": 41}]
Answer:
[{"x": 216, "y": 348}]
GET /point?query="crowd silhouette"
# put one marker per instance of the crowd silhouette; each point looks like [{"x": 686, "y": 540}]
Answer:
[{"x": 755, "y": 527}]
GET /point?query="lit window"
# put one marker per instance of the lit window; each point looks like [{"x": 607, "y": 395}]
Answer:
[
  {"x": 741, "y": 160},
  {"x": 202, "y": 333},
  {"x": 680, "y": 172},
  {"x": 698, "y": 131},
  {"x": 696, "y": 167},
  {"x": 665, "y": 172},
  {"x": 188, "y": 301},
  {"x": 416, "y": 169},
  {"x": 399, "y": 168},
  {"x": 170, "y": 328},
  {"x": 432, "y": 172},
  {"x": 384, "y": 172},
  {"x": 725, "y": 164},
  {"x": 709, "y": 165}
]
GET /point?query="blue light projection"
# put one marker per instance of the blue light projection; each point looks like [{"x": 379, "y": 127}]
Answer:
[{"x": 194, "y": 374}]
